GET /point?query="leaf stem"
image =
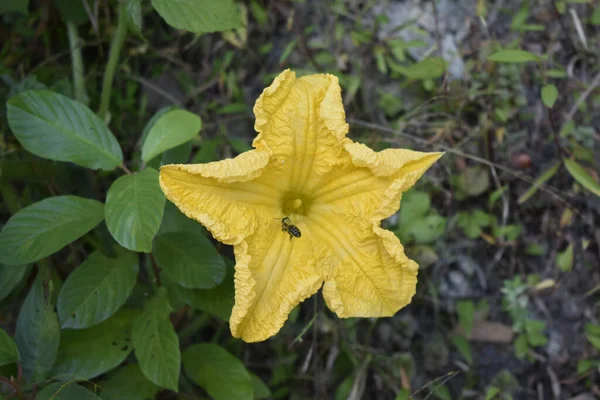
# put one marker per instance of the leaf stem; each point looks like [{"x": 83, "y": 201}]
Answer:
[
  {"x": 156, "y": 270},
  {"x": 77, "y": 64},
  {"x": 127, "y": 171},
  {"x": 113, "y": 60}
]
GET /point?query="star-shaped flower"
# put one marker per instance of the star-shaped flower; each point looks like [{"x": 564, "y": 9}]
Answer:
[{"x": 334, "y": 191}]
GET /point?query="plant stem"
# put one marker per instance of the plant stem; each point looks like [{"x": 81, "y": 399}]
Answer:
[
  {"x": 113, "y": 60},
  {"x": 77, "y": 64}
]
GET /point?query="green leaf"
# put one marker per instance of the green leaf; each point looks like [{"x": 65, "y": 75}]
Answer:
[
  {"x": 582, "y": 177},
  {"x": 585, "y": 365},
  {"x": 217, "y": 301},
  {"x": 594, "y": 340},
  {"x": 156, "y": 343},
  {"x": 189, "y": 259},
  {"x": 73, "y": 11},
  {"x": 10, "y": 277},
  {"x": 261, "y": 390},
  {"x": 88, "y": 353},
  {"x": 134, "y": 17},
  {"x": 549, "y": 95},
  {"x": 595, "y": 19},
  {"x": 38, "y": 333},
  {"x": 466, "y": 315},
  {"x": 65, "y": 391},
  {"x": 97, "y": 289},
  {"x": 492, "y": 392},
  {"x": 564, "y": 259},
  {"x": 199, "y": 16},
  {"x": 8, "y": 349},
  {"x": 217, "y": 371},
  {"x": 176, "y": 221},
  {"x": 134, "y": 209},
  {"x": 47, "y": 226},
  {"x": 414, "y": 206},
  {"x": 463, "y": 346},
  {"x": 513, "y": 56},
  {"x": 55, "y": 127},
  {"x": 428, "y": 229},
  {"x": 535, "y": 332},
  {"x": 441, "y": 392},
  {"x": 171, "y": 130},
  {"x": 429, "y": 68},
  {"x": 158, "y": 115},
  {"x": 20, "y": 6},
  {"x": 128, "y": 383},
  {"x": 474, "y": 180},
  {"x": 287, "y": 50},
  {"x": 592, "y": 329},
  {"x": 208, "y": 150},
  {"x": 549, "y": 173}
]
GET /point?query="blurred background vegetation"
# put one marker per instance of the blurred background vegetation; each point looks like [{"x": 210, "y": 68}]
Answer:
[{"x": 505, "y": 227}]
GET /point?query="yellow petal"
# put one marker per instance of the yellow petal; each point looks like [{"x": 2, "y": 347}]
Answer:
[
  {"x": 229, "y": 197},
  {"x": 272, "y": 275},
  {"x": 371, "y": 183},
  {"x": 302, "y": 121},
  {"x": 367, "y": 273}
]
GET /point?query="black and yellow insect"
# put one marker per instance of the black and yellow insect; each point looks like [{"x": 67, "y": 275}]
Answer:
[{"x": 291, "y": 229}]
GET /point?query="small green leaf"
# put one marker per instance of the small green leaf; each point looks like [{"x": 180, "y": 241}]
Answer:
[
  {"x": 492, "y": 392},
  {"x": 87, "y": 353},
  {"x": 217, "y": 301},
  {"x": 428, "y": 229},
  {"x": 594, "y": 340},
  {"x": 466, "y": 315},
  {"x": 513, "y": 56},
  {"x": 20, "y": 6},
  {"x": 564, "y": 259},
  {"x": 134, "y": 17},
  {"x": 414, "y": 206},
  {"x": 208, "y": 150},
  {"x": 97, "y": 289},
  {"x": 156, "y": 343},
  {"x": 38, "y": 333},
  {"x": 595, "y": 19},
  {"x": 8, "y": 349},
  {"x": 55, "y": 127},
  {"x": 10, "y": 277},
  {"x": 441, "y": 392},
  {"x": 134, "y": 209},
  {"x": 176, "y": 221},
  {"x": 592, "y": 329},
  {"x": 521, "y": 346},
  {"x": 261, "y": 390},
  {"x": 128, "y": 383},
  {"x": 474, "y": 180},
  {"x": 287, "y": 51},
  {"x": 47, "y": 226},
  {"x": 157, "y": 115},
  {"x": 189, "y": 259},
  {"x": 218, "y": 372},
  {"x": 171, "y": 130},
  {"x": 582, "y": 177},
  {"x": 74, "y": 12},
  {"x": 463, "y": 346},
  {"x": 429, "y": 68},
  {"x": 65, "y": 391},
  {"x": 549, "y": 173},
  {"x": 549, "y": 95},
  {"x": 585, "y": 365},
  {"x": 199, "y": 16}
]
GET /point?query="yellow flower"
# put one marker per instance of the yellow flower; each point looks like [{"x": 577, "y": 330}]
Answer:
[{"x": 335, "y": 191}]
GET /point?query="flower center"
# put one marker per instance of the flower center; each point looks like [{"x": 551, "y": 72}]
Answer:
[{"x": 294, "y": 204}]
